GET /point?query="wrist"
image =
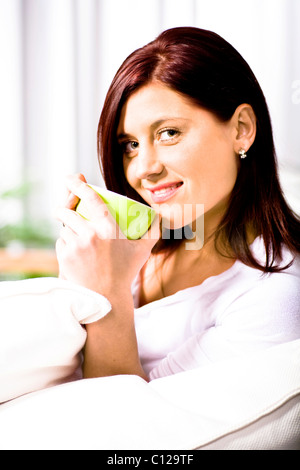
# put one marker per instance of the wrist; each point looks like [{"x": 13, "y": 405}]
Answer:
[
  {"x": 118, "y": 294},
  {"x": 121, "y": 300}
]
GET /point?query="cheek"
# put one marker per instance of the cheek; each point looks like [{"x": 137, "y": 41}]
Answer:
[
  {"x": 221, "y": 182},
  {"x": 228, "y": 171},
  {"x": 219, "y": 160},
  {"x": 129, "y": 172}
]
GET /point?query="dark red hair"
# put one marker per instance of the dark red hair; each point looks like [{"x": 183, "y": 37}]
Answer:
[{"x": 209, "y": 71}]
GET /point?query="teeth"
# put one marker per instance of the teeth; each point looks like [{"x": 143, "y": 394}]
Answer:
[
  {"x": 165, "y": 190},
  {"x": 161, "y": 191}
]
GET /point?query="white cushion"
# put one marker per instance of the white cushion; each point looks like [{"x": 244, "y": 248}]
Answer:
[
  {"x": 247, "y": 403},
  {"x": 41, "y": 336}
]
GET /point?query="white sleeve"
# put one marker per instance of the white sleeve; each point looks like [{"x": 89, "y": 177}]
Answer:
[{"x": 266, "y": 314}]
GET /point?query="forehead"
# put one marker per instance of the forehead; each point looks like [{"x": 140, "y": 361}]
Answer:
[{"x": 154, "y": 102}]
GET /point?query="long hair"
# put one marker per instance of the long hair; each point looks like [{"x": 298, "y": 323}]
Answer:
[{"x": 209, "y": 71}]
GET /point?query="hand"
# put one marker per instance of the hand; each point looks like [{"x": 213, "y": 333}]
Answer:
[
  {"x": 95, "y": 253},
  {"x": 71, "y": 199}
]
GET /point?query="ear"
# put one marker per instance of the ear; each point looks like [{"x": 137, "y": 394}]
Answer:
[{"x": 244, "y": 121}]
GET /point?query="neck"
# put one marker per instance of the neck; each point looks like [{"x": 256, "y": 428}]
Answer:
[{"x": 204, "y": 228}]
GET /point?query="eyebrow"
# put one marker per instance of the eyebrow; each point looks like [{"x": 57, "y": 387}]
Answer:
[{"x": 155, "y": 124}]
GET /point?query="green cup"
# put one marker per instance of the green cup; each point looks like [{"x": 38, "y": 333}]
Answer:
[{"x": 133, "y": 218}]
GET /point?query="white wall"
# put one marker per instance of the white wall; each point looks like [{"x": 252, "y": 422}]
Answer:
[{"x": 59, "y": 56}]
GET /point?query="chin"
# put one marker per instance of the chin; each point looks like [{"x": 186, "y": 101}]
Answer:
[{"x": 177, "y": 216}]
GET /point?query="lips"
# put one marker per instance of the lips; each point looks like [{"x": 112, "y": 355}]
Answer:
[{"x": 164, "y": 192}]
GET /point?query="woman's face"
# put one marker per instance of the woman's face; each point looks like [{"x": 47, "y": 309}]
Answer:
[{"x": 176, "y": 155}]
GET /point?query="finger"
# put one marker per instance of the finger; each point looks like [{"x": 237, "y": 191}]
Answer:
[
  {"x": 105, "y": 226},
  {"x": 92, "y": 207},
  {"x": 71, "y": 221},
  {"x": 79, "y": 187},
  {"x": 81, "y": 177},
  {"x": 67, "y": 234},
  {"x": 71, "y": 199},
  {"x": 90, "y": 201}
]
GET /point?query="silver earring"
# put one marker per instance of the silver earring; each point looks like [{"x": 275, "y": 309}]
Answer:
[{"x": 242, "y": 153}]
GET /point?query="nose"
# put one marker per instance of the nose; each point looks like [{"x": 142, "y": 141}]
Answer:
[{"x": 148, "y": 163}]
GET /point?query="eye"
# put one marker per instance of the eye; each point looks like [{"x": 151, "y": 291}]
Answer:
[
  {"x": 129, "y": 148},
  {"x": 167, "y": 135}
]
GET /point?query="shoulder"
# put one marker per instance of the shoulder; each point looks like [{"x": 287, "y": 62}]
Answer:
[
  {"x": 266, "y": 296},
  {"x": 288, "y": 279},
  {"x": 245, "y": 285}
]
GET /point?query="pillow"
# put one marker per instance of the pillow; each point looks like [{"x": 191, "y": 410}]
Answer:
[
  {"x": 41, "y": 333},
  {"x": 246, "y": 403}
]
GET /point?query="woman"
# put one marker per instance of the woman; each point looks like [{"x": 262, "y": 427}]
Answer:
[{"x": 184, "y": 124}]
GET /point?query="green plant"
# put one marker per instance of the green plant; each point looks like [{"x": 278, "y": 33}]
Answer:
[
  {"x": 25, "y": 232},
  {"x": 28, "y": 232}
]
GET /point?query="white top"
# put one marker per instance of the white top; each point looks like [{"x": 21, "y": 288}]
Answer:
[{"x": 237, "y": 312}]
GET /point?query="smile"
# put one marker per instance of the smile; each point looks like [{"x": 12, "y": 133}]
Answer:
[{"x": 164, "y": 192}]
